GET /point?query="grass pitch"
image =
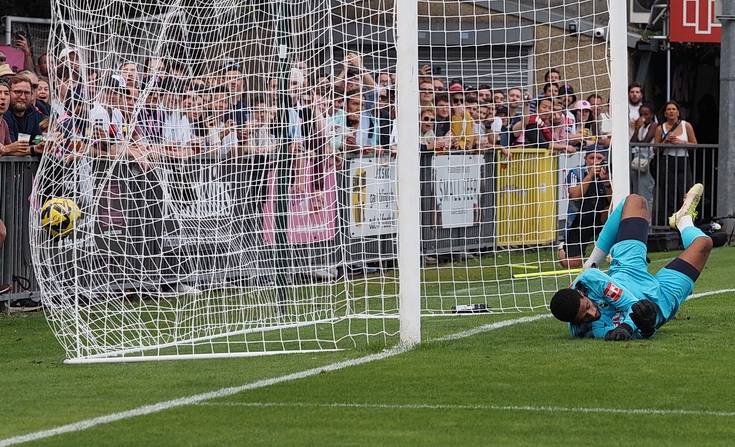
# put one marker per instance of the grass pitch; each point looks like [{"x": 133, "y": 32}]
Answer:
[{"x": 528, "y": 383}]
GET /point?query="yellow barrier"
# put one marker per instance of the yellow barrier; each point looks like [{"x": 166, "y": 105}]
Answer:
[{"x": 526, "y": 197}]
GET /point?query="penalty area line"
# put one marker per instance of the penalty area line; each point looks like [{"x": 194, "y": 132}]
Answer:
[
  {"x": 224, "y": 392},
  {"x": 549, "y": 409}
]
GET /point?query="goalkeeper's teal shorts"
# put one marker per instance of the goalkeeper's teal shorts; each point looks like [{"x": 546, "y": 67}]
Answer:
[{"x": 668, "y": 288}]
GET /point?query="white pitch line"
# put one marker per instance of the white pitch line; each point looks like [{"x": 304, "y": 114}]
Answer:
[
  {"x": 475, "y": 407},
  {"x": 198, "y": 398}
]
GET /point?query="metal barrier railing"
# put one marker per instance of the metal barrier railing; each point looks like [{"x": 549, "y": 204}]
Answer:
[
  {"x": 497, "y": 219},
  {"x": 16, "y": 268},
  {"x": 673, "y": 170}
]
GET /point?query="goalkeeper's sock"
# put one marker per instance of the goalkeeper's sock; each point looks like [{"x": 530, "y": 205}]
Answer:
[
  {"x": 607, "y": 237},
  {"x": 685, "y": 221},
  {"x": 688, "y": 234}
]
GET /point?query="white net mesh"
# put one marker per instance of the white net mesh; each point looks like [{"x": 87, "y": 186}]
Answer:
[{"x": 235, "y": 165}]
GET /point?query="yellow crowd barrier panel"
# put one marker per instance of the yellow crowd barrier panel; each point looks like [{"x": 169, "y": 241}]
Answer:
[{"x": 526, "y": 200}]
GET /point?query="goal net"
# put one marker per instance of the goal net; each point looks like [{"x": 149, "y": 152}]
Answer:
[{"x": 231, "y": 168}]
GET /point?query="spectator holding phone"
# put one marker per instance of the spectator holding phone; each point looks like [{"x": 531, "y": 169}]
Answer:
[
  {"x": 590, "y": 192},
  {"x": 21, "y": 42}
]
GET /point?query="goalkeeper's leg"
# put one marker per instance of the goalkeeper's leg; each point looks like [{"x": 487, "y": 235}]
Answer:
[
  {"x": 677, "y": 279},
  {"x": 632, "y": 206}
]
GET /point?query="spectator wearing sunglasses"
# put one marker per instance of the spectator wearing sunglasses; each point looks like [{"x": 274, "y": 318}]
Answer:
[{"x": 428, "y": 137}]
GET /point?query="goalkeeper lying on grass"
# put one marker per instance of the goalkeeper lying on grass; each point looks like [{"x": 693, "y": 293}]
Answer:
[{"x": 628, "y": 302}]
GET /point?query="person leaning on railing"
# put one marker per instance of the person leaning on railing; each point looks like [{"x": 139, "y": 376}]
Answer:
[
  {"x": 673, "y": 175},
  {"x": 21, "y": 118},
  {"x": 539, "y": 133}
]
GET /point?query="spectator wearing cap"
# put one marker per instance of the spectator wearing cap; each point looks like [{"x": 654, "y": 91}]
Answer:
[
  {"x": 6, "y": 72},
  {"x": 585, "y": 127},
  {"x": 471, "y": 91},
  {"x": 590, "y": 192},
  {"x": 69, "y": 59},
  {"x": 22, "y": 117},
  {"x": 505, "y": 136},
  {"x": 456, "y": 93}
]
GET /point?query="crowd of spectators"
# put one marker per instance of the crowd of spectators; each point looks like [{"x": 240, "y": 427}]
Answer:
[{"x": 159, "y": 110}]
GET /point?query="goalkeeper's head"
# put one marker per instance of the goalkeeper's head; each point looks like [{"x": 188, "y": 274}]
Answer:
[{"x": 572, "y": 306}]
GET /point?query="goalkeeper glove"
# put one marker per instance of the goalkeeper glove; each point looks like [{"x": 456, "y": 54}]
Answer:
[
  {"x": 621, "y": 333},
  {"x": 644, "y": 316}
]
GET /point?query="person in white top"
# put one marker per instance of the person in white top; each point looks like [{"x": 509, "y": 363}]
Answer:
[
  {"x": 641, "y": 178},
  {"x": 674, "y": 176}
]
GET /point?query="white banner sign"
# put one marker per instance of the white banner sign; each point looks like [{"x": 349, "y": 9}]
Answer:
[
  {"x": 457, "y": 189},
  {"x": 373, "y": 198}
]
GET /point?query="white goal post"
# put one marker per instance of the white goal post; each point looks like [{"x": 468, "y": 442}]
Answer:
[{"x": 259, "y": 177}]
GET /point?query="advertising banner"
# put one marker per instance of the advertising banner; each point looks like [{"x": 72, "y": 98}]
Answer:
[
  {"x": 312, "y": 204},
  {"x": 372, "y": 198},
  {"x": 457, "y": 189}
]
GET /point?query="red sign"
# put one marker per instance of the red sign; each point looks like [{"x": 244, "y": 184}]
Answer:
[{"x": 695, "y": 21}]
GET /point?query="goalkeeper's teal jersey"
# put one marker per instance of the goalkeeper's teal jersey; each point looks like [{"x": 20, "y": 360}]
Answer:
[{"x": 610, "y": 297}]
